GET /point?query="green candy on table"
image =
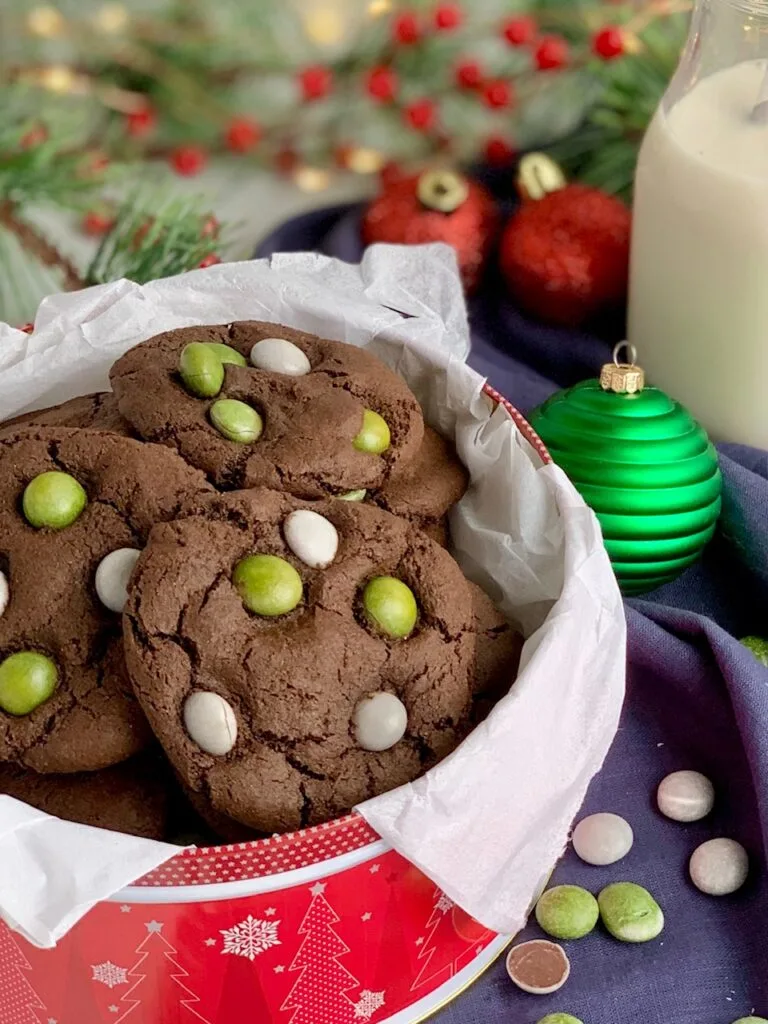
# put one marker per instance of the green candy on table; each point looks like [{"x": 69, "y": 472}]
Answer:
[
  {"x": 54, "y": 500},
  {"x": 559, "y": 1018},
  {"x": 759, "y": 648},
  {"x": 630, "y": 913},
  {"x": 751, "y": 1020},
  {"x": 201, "y": 369},
  {"x": 374, "y": 437},
  {"x": 567, "y": 912},
  {"x": 390, "y": 606},
  {"x": 268, "y": 585},
  {"x": 353, "y": 495},
  {"x": 227, "y": 354},
  {"x": 27, "y": 680},
  {"x": 236, "y": 421}
]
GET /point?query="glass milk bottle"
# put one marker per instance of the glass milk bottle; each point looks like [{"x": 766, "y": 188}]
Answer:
[{"x": 699, "y": 275}]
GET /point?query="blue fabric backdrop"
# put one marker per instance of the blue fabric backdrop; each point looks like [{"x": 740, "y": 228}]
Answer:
[{"x": 696, "y": 699}]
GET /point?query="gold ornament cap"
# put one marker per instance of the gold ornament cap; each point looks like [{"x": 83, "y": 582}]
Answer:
[
  {"x": 442, "y": 190},
  {"x": 538, "y": 175},
  {"x": 623, "y": 378}
]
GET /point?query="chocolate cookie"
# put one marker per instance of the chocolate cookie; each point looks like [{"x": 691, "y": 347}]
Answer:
[
  {"x": 292, "y": 411},
  {"x": 497, "y": 652},
  {"x": 97, "y": 412},
  {"x": 76, "y": 506},
  {"x": 296, "y": 658},
  {"x": 131, "y": 797}
]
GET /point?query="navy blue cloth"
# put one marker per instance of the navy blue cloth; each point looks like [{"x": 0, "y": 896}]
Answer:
[{"x": 696, "y": 698}]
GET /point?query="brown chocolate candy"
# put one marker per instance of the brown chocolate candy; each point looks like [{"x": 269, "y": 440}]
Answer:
[{"x": 539, "y": 967}]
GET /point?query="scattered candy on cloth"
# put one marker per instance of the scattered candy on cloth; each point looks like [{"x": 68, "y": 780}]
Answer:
[
  {"x": 696, "y": 699},
  {"x": 522, "y": 530}
]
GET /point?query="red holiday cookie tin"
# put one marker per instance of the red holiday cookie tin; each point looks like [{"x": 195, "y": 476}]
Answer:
[{"x": 324, "y": 926}]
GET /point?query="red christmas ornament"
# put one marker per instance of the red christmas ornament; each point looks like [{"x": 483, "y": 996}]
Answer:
[
  {"x": 420, "y": 115},
  {"x": 315, "y": 82},
  {"x": 188, "y": 160},
  {"x": 608, "y": 43},
  {"x": 448, "y": 17},
  {"x": 468, "y": 74},
  {"x": 436, "y": 206},
  {"x": 519, "y": 31},
  {"x": 209, "y": 261},
  {"x": 551, "y": 53},
  {"x": 497, "y": 94},
  {"x": 141, "y": 122},
  {"x": 242, "y": 134},
  {"x": 565, "y": 253},
  {"x": 406, "y": 29},
  {"x": 97, "y": 222},
  {"x": 498, "y": 151},
  {"x": 381, "y": 84}
]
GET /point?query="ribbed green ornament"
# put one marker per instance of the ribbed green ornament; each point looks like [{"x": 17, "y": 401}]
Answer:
[{"x": 645, "y": 466}]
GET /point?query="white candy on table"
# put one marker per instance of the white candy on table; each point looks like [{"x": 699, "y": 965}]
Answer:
[
  {"x": 380, "y": 721},
  {"x": 603, "y": 838},
  {"x": 719, "y": 867},
  {"x": 311, "y": 537},
  {"x": 210, "y": 722},
  {"x": 5, "y": 592},
  {"x": 113, "y": 575},
  {"x": 686, "y": 796},
  {"x": 280, "y": 356}
]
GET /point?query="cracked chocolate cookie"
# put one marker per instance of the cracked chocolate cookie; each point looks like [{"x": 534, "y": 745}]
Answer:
[
  {"x": 97, "y": 412},
  {"x": 76, "y": 507},
  {"x": 296, "y": 658},
  {"x": 131, "y": 797},
  {"x": 258, "y": 404}
]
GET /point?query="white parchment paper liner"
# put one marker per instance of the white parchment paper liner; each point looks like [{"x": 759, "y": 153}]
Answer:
[{"x": 489, "y": 823}]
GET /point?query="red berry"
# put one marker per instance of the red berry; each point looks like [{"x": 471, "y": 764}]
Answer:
[
  {"x": 519, "y": 31},
  {"x": 497, "y": 94},
  {"x": 242, "y": 134},
  {"x": 209, "y": 261},
  {"x": 551, "y": 53},
  {"x": 97, "y": 222},
  {"x": 608, "y": 43},
  {"x": 188, "y": 160},
  {"x": 140, "y": 122},
  {"x": 498, "y": 152},
  {"x": 468, "y": 74},
  {"x": 420, "y": 115},
  {"x": 34, "y": 137},
  {"x": 381, "y": 84},
  {"x": 406, "y": 29},
  {"x": 315, "y": 82},
  {"x": 211, "y": 228},
  {"x": 448, "y": 17}
]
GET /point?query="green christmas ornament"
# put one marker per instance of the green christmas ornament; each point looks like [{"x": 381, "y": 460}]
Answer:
[{"x": 643, "y": 464}]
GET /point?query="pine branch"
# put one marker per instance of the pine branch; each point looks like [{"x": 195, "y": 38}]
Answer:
[{"x": 34, "y": 243}]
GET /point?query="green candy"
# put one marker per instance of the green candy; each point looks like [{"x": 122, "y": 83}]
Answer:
[
  {"x": 201, "y": 369},
  {"x": 374, "y": 436},
  {"x": 267, "y": 584},
  {"x": 27, "y": 680},
  {"x": 54, "y": 500},
  {"x": 390, "y": 606},
  {"x": 751, "y": 1020},
  {"x": 236, "y": 421},
  {"x": 759, "y": 648},
  {"x": 559, "y": 1018},
  {"x": 227, "y": 354},
  {"x": 353, "y": 495},
  {"x": 567, "y": 912},
  {"x": 630, "y": 913}
]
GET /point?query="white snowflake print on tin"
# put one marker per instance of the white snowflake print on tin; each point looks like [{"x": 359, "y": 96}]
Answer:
[
  {"x": 368, "y": 1003},
  {"x": 109, "y": 974},
  {"x": 251, "y": 937}
]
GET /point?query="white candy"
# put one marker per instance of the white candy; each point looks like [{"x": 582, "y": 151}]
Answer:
[
  {"x": 280, "y": 356},
  {"x": 311, "y": 537},
  {"x": 5, "y": 593},
  {"x": 210, "y": 722},
  {"x": 603, "y": 838},
  {"x": 380, "y": 721},
  {"x": 112, "y": 577},
  {"x": 686, "y": 796},
  {"x": 719, "y": 867}
]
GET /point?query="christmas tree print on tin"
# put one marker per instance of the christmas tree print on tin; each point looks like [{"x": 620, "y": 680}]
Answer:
[{"x": 18, "y": 1000}]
